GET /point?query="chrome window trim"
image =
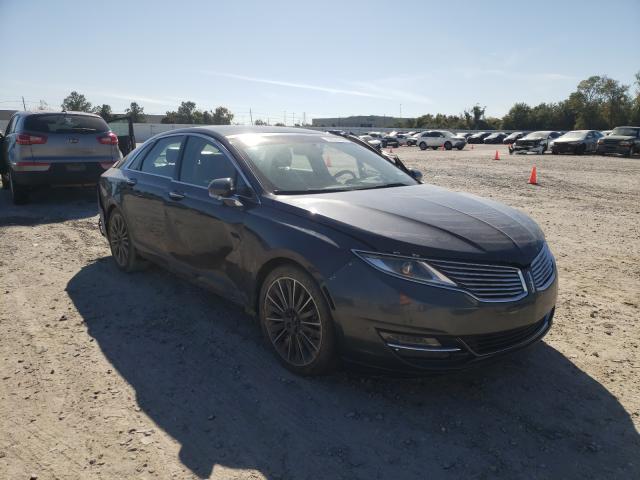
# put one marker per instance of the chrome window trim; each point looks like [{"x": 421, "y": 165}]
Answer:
[{"x": 142, "y": 147}]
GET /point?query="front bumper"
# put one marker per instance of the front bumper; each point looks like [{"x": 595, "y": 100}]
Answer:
[
  {"x": 469, "y": 331},
  {"x": 521, "y": 149},
  {"x": 613, "y": 148}
]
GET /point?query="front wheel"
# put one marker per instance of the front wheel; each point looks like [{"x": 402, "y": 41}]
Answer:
[
  {"x": 460, "y": 147},
  {"x": 122, "y": 249},
  {"x": 447, "y": 145},
  {"x": 296, "y": 321},
  {"x": 423, "y": 146}
]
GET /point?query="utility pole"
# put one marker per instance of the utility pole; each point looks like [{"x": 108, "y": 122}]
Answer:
[
  {"x": 251, "y": 116},
  {"x": 284, "y": 118},
  {"x": 24, "y": 105}
]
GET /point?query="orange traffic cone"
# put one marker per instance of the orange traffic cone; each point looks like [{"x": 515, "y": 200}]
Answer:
[
  {"x": 497, "y": 155},
  {"x": 533, "y": 178}
]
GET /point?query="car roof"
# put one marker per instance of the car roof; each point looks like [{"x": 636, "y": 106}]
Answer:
[
  {"x": 29, "y": 114},
  {"x": 229, "y": 130}
]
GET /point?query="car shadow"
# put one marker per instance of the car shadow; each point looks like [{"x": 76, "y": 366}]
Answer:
[
  {"x": 49, "y": 205},
  {"x": 202, "y": 373}
]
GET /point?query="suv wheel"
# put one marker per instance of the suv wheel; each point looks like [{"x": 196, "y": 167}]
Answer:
[
  {"x": 423, "y": 146},
  {"x": 447, "y": 145},
  {"x": 19, "y": 194},
  {"x": 296, "y": 321}
]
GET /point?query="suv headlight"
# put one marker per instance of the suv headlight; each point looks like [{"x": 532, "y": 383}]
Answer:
[
  {"x": 408, "y": 268},
  {"x": 626, "y": 143}
]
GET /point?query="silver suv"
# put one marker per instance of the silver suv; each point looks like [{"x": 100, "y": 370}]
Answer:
[{"x": 55, "y": 148}]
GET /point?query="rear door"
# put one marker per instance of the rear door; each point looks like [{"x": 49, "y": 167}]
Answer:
[
  {"x": 70, "y": 141},
  {"x": 146, "y": 193},
  {"x": 122, "y": 126}
]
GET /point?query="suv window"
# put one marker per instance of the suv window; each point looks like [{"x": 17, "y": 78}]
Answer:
[
  {"x": 162, "y": 158},
  {"x": 65, "y": 123},
  {"x": 203, "y": 162}
]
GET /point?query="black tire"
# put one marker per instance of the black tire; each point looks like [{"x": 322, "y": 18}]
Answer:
[
  {"x": 460, "y": 147},
  {"x": 580, "y": 149},
  {"x": 554, "y": 151},
  {"x": 629, "y": 152},
  {"x": 5, "y": 181},
  {"x": 306, "y": 347},
  {"x": 19, "y": 194},
  {"x": 423, "y": 146},
  {"x": 124, "y": 253},
  {"x": 447, "y": 145}
]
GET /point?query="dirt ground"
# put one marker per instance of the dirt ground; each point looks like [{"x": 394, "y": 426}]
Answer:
[{"x": 114, "y": 376}]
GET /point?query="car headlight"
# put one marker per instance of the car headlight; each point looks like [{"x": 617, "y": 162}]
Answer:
[
  {"x": 600, "y": 141},
  {"x": 625, "y": 143},
  {"x": 408, "y": 268}
]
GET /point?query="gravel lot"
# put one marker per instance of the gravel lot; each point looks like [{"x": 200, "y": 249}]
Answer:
[{"x": 114, "y": 376}]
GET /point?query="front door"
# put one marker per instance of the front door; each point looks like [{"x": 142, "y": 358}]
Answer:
[{"x": 206, "y": 234}]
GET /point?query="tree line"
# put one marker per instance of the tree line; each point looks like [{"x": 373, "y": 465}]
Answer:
[
  {"x": 598, "y": 103},
  {"x": 77, "y": 102},
  {"x": 186, "y": 112}
]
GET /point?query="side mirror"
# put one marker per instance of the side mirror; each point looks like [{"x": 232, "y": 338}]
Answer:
[
  {"x": 221, "y": 188},
  {"x": 416, "y": 174}
]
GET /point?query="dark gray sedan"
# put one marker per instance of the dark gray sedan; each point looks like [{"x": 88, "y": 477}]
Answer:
[{"x": 339, "y": 251}]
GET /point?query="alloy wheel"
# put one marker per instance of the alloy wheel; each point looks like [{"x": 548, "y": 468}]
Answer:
[
  {"x": 119, "y": 239},
  {"x": 292, "y": 321}
]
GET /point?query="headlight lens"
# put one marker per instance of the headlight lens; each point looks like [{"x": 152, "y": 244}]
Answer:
[
  {"x": 600, "y": 141},
  {"x": 405, "y": 267},
  {"x": 625, "y": 143}
]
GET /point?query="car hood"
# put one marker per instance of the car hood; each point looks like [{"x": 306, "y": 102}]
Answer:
[
  {"x": 425, "y": 220},
  {"x": 569, "y": 140}
]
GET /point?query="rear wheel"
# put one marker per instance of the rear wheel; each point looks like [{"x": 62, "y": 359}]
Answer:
[
  {"x": 296, "y": 321},
  {"x": 19, "y": 194},
  {"x": 122, "y": 249},
  {"x": 423, "y": 146}
]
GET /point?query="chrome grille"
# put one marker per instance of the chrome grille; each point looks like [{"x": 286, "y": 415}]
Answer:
[
  {"x": 542, "y": 268},
  {"x": 485, "y": 282}
]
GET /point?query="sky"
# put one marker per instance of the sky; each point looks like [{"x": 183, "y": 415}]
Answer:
[{"x": 299, "y": 59}]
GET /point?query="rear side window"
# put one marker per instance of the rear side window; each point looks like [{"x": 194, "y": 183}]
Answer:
[
  {"x": 65, "y": 123},
  {"x": 162, "y": 158}
]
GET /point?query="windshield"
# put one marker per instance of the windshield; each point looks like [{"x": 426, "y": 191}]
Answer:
[
  {"x": 625, "y": 131},
  {"x": 536, "y": 136},
  {"x": 65, "y": 123},
  {"x": 300, "y": 163},
  {"x": 577, "y": 135}
]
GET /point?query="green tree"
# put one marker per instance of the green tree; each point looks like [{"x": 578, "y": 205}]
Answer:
[
  {"x": 136, "y": 112},
  {"x": 76, "y": 102},
  {"x": 104, "y": 111},
  {"x": 222, "y": 116}
]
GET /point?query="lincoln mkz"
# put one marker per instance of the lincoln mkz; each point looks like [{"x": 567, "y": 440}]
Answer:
[{"x": 340, "y": 251}]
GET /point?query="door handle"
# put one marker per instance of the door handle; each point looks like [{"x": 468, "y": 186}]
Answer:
[
  {"x": 176, "y": 196},
  {"x": 131, "y": 181}
]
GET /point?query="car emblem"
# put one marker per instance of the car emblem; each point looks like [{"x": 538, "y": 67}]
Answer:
[{"x": 73, "y": 140}]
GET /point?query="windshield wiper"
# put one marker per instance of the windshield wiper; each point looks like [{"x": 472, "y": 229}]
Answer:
[
  {"x": 316, "y": 190},
  {"x": 386, "y": 185}
]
